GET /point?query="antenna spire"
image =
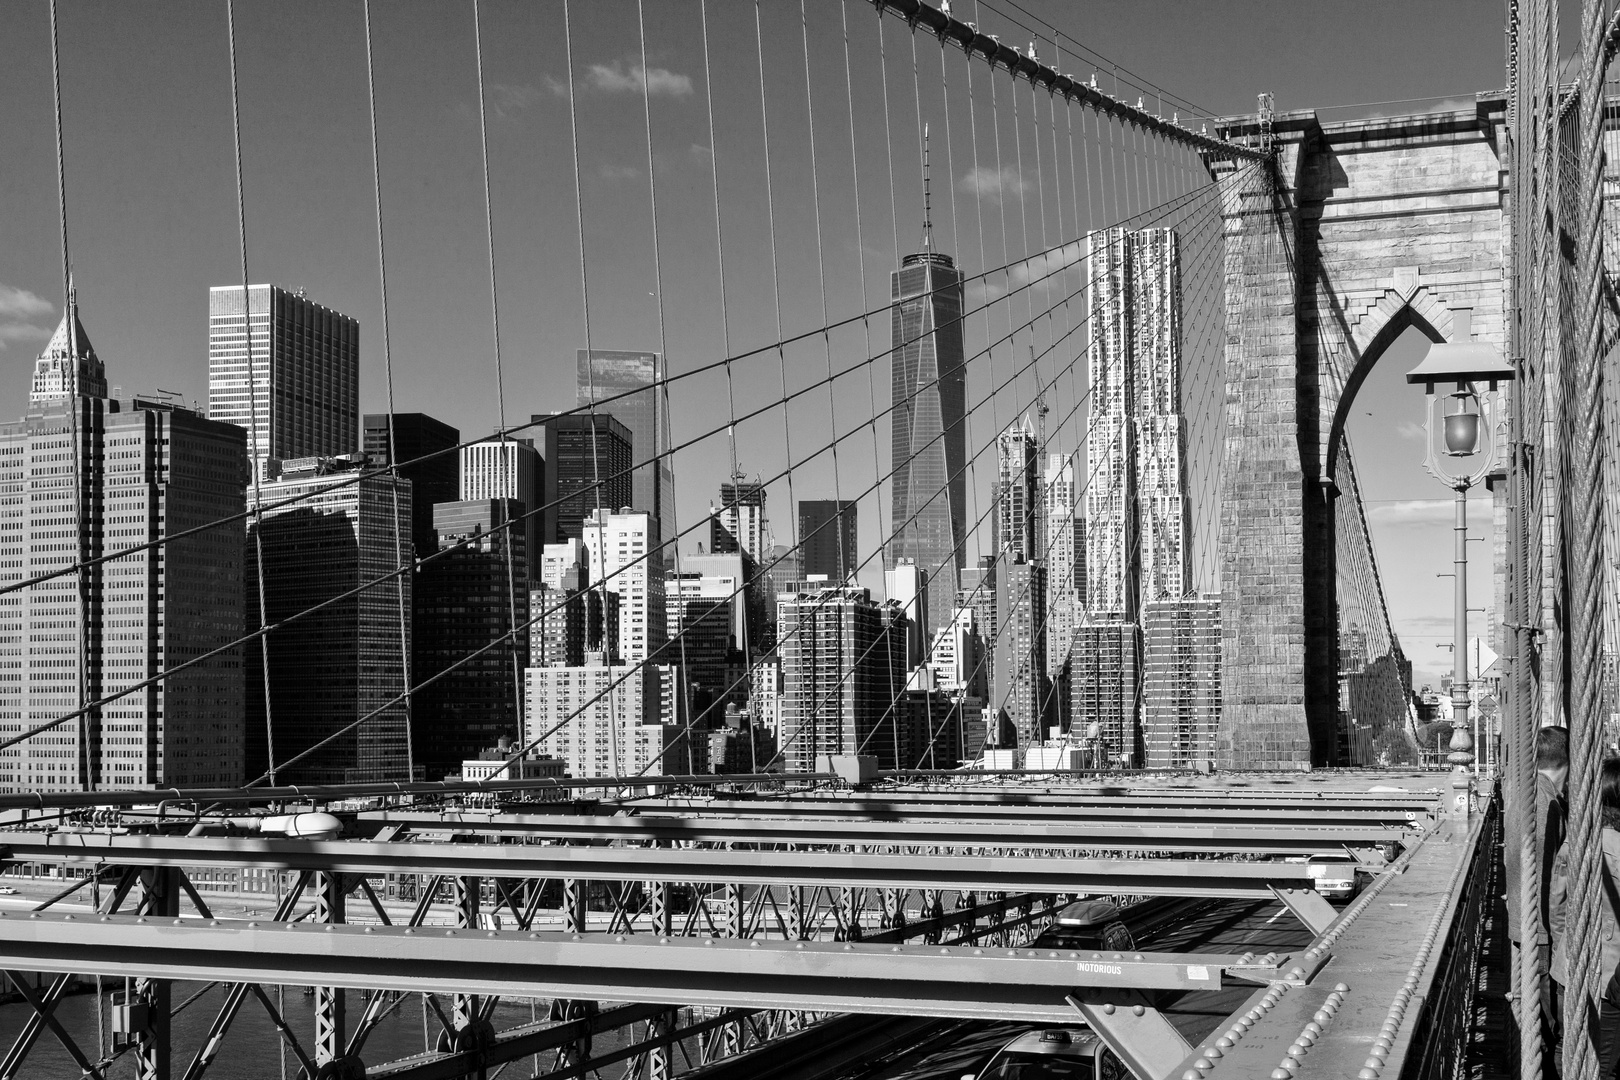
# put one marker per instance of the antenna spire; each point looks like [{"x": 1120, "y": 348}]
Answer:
[{"x": 928, "y": 224}]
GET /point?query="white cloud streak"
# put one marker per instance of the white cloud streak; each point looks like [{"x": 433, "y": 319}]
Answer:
[
  {"x": 992, "y": 185},
  {"x": 1412, "y": 512},
  {"x": 18, "y": 310}
]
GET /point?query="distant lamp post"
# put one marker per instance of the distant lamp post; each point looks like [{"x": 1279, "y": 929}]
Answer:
[{"x": 1465, "y": 450}]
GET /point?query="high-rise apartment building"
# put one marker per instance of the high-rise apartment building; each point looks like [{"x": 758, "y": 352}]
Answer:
[
  {"x": 588, "y": 467},
  {"x": 1063, "y": 543},
  {"x": 625, "y": 559},
  {"x": 603, "y": 720},
  {"x": 340, "y": 671},
  {"x": 1021, "y": 694},
  {"x": 286, "y": 370},
  {"x": 1161, "y": 435},
  {"x": 843, "y": 673},
  {"x": 978, "y": 592},
  {"x": 624, "y": 385},
  {"x": 1018, "y": 499},
  {"x": 1181, "y": 692},
  {"x": 508, "y": 468},
  {"x": 1138, "y": 527},
  {"x": 827, "y": 538},
  {"x": 465, "y": 601},
  {"x": 928, "y": 435},
  {"x": 143, "y": 470},
  {"x": 565, "y": 564},
  {"x": 426, "y": 451},
  {"x": 906, "y": 586}
]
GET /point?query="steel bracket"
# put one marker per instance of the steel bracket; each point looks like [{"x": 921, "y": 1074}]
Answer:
[
  {"x": 1133, "y": 1029},
  {"x": 1309, "y": 907}
]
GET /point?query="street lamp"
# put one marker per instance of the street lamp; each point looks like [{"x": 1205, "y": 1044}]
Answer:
[{"x": 1468, "y": 449}]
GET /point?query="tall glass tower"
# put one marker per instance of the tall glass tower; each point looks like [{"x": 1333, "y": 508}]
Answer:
[
  {"x": 929, "y": 441},
  {"x": 625, "y": 385}
]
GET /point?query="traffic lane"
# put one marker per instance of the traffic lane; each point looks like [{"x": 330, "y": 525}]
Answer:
[{"x": 1224, "y": 926}]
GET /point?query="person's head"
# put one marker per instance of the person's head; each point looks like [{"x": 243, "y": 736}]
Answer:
[
  {"x": 1609, "y": 783},
  {"x": 1552, "y": 753}
]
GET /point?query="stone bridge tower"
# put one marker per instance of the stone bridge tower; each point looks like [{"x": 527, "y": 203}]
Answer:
[{"x": 1367, "y": 227}]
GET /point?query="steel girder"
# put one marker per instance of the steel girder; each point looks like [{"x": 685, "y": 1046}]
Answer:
[
  {"x": 914, "y": 980},
  {"x": 1161, "y": 877},
  {"x": 663, "y": 827}
]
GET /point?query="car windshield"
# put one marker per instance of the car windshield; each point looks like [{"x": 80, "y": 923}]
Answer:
[{"x": 1016, "y": 1065}]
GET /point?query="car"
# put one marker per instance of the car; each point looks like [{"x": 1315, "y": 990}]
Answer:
[
  {"x": 1089, "y": 925},
  {"x": 1053, "y": 1054},
  {"x": 7, "y": 890},
  {"x": 1334, "y": 874}
]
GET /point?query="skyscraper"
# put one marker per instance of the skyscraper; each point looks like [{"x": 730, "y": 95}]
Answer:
[
  {"x": 1064, "y": 546},
  {"x": 1161, "y": 437},
  {"x": 144, "y": 469},
  {"x": 1138, "y": 540},
  {"x": 427, "y": 451},
  {"x": 507, "y": 468},
  {"x": 341, "y": 668},
  {"x": 1021, "y": 694},
  {"x": 465, "y": 602},
  {"x": 1181, "y": 700},
  {"x": 928, "y": 438},
  {"x": 588, "y": 462},
  {"x": 300, "y": 394},
  {"x": 1018, "y": 500},
  {"x": 623, "y": 384},
  {"x": 1104, "y": 670},
  {"x": 827, "y": 537}
]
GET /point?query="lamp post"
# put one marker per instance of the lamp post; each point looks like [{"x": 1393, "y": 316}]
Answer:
[{"x": 1462, "y": 453}]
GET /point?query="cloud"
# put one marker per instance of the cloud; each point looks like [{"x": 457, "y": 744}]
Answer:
[
  {"x": 619, "y": 77},
  {"x": 1412, "y": 512},
  {"x": 1044, "y": 271},
  {"x": 18, "y": 310},
  {"x": 618, "y": 172},
  {"x": 22, "y": 304},
  {"x": 992, "y": 185},
  {"x": 508, "y": 98},
  {"x": 1411, "y": 429}
]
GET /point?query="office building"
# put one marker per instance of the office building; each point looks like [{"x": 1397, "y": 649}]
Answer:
[
  {"x": 507, "y": 468},
  {"x": 588, "y": 467},
  {"x": 339, "y": 672},
  {"x": 730, "y": 579},
  {"x": 623, "y": 385},
  {"x": 1112, "y": 547},
  {"x": 928, "y": 435},
  {"x": 426, "y": 450},
  {"x": 931, "y": 724},
  {"x": 568, "y": 625},
  {"x": 474, "y": 594},
  {"x": 564, "y": 565},
  {"x": 625, "y": 560},
  {"x": 702, "y": 645},
  {"x": 1018, "y": 501},
  {"x": 1021, "y": 693},
  {"x": 738, "y": 523},
  {"x": 827, "y": 538},
  {"x": 146, "y": 469},
  {"x": 286, "y": 370},
  {"x": 1063, "y": 543},
  {"x": 843, "y": 671},
  {"x": 978, "y": 592},
  {"x": 956, "y": 657},
  {"x": 907, "y": 586},
  {"x": 1181, "y": 686},
  {"x": 1104, "y": 672},
  {"x": 602, "y": 720}
]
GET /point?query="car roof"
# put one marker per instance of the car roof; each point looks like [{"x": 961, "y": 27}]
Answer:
[
  {"x": 1088, "y": 913},
  {"x": 1079, "y": 1043}
]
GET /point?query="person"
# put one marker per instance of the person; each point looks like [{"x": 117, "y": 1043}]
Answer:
[
  {"x": 1551, "y": 819},
  {"x": 1607, "y": 1029}
]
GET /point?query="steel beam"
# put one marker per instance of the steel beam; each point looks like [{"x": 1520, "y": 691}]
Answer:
[
  {"x": 917, "y": 980},
  {"x": 1156, "y": 877},
  {"x": 669, "y": 827}
]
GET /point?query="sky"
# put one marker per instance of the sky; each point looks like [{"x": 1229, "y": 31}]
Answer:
[{"x": 152, "y": 210}]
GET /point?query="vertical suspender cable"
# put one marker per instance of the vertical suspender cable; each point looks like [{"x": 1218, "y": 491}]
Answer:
[
  {"x": 682, "y": 684},
  {"x": 516, "y": 530},
  {"x": 253, "y": 382},
  {"x": 393, "y": 444},
  {"x": 1583, "y": 470}
]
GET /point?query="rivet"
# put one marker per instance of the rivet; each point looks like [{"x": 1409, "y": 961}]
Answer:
[
  {"x": 1314, "y": 1028},
  {"x": 1368, "y": 1073},
  {"x": 1138, "y": 1010},
  {"x": 1108, "y": 1010},
  {"x": 1305, "y": 1038},
  {"x": 1289, "y": 1061},
  {"x": 1202, "y": 1063},
  {"x": 1192, "y": 1074},
  {"x": 1374, "y": 1063},
  {"x": 1341, "y": 988},
  {"x": 1281, "y": 1073},
  {"x": 1295, "y": 1050},
  {"x": 1222, "y": 1043},
  {"x": 1213, "y": 1050}
]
